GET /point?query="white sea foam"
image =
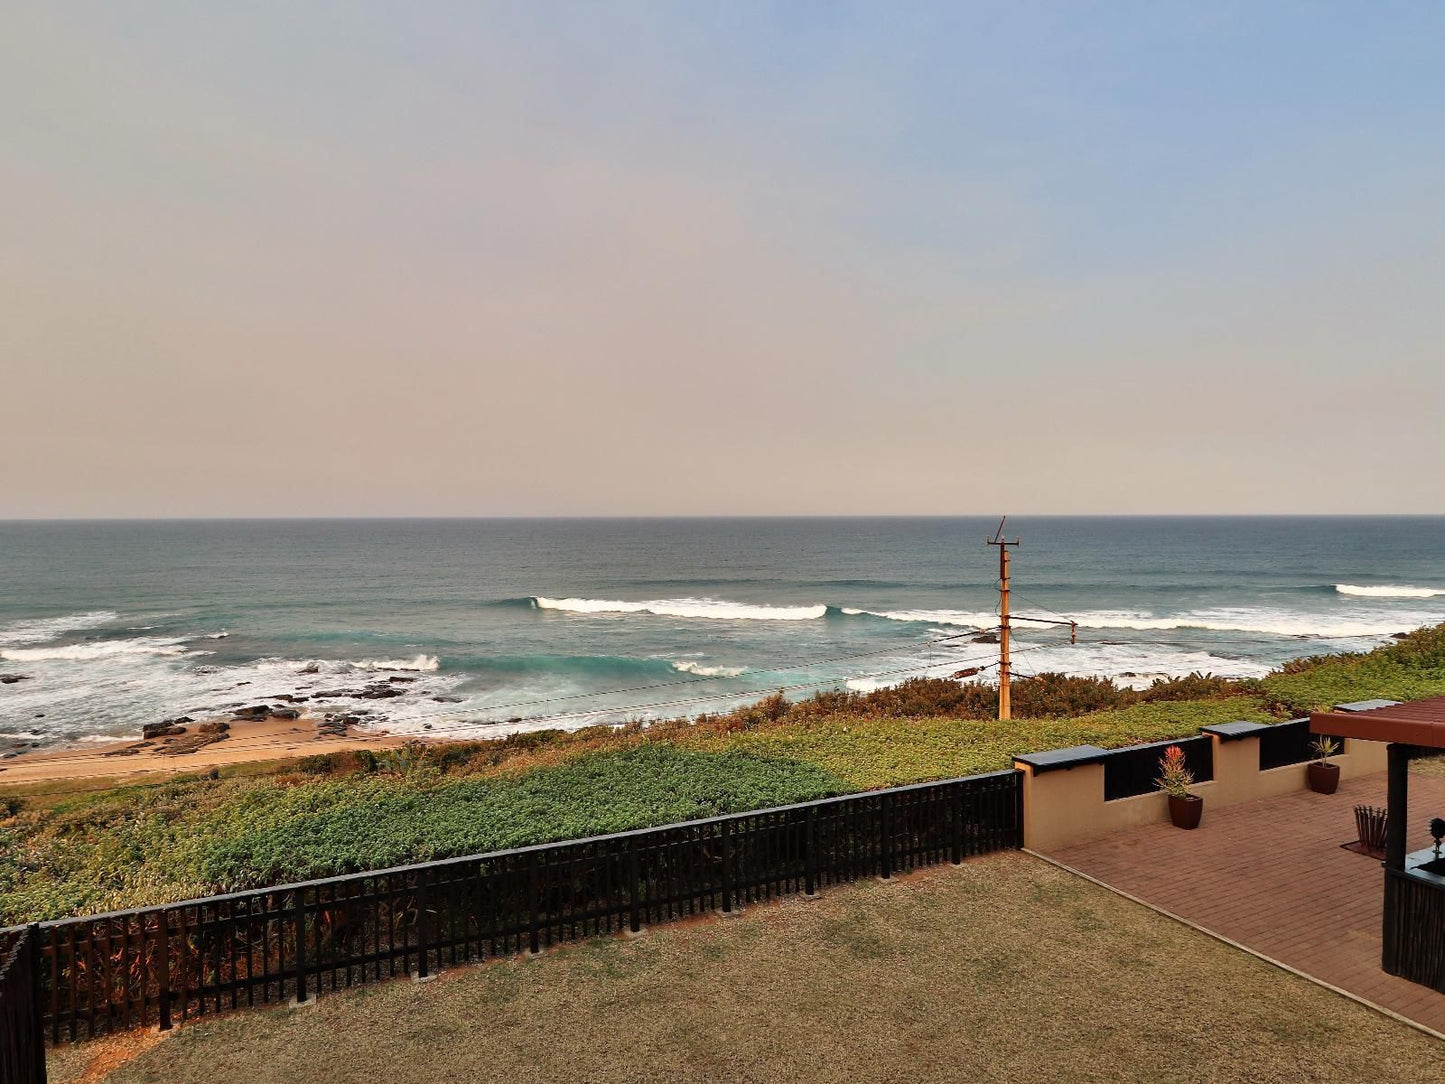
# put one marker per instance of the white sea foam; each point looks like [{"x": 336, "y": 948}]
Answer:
[
  {"x": 96, "y": 649},
  {"x": 1388, "y": 590},
  {"x": 711, "y": 608},
  {"x": 1272, "y": 622},
  {"x": 46, "y": 629},
  {"x": 103, "y": 690},
  {"x": 685, "y": 666}
]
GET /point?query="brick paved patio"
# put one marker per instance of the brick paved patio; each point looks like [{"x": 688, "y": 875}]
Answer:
[{"x": 1272, "y": 876}]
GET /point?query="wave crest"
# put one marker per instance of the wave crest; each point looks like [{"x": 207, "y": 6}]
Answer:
[
  {"x": 686, "y": 667},
  {"x": 706, "y": 608},
  {"x": 1387, "y": 590}
]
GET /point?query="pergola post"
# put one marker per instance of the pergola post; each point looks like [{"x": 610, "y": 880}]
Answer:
[{"x": 1397, "y": 803}]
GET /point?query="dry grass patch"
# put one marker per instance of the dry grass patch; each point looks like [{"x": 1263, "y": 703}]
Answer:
[{"x": 1004, "y": 969}]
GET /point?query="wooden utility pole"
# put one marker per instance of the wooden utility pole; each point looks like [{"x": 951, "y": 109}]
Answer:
[{"x": 1003, "y": 627}]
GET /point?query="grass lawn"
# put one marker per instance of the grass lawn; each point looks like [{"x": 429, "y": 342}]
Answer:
[{"x": 1004, "y": 969}]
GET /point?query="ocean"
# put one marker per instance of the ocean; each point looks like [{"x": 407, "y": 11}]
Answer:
[{"x": 498, "y": 625}]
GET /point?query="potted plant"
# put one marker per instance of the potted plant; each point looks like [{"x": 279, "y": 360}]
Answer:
[
  {"x": 1323, "y": 776},
  {"x": 1175, "y": 779}
]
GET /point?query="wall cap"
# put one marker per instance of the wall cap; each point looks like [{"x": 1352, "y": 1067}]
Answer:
[
  {"x": 1240, "y": 728},
  {"x": 1366, "y": 705},
  {"x": 1053, "y": 759}
]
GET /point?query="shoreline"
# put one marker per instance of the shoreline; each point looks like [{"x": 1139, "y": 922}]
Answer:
[{"x": 245, "y": 742}]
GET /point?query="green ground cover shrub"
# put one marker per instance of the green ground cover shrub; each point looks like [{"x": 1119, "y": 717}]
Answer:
[
  {"x": 133, "y": 846},
  {"x": 1410, "y": 669}
]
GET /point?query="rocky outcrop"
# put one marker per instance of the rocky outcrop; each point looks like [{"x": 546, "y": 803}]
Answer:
[
  {"x": 189, "y": 743},
  {"x": 216, "y": 726},
  {"x": 165, "y": 729},
  {"x": 11, "y": 679}
]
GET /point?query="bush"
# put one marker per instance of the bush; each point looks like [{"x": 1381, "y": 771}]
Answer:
[{"x": 1196, "y": 686}]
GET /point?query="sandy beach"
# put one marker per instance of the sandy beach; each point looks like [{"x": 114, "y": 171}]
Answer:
[{"x": 137, "y": 761}]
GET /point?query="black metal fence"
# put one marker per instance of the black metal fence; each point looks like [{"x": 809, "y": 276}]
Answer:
[
  {"x": 22, "y": 1043},
  {"x": 1134, "y": 769},
  {"x": 155, "y": 965},
  {"x": 1288, "y": 743}
]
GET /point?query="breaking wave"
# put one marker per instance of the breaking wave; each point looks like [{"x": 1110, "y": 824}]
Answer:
[
  {"x": 1388, "y": 590},
  {"x": 686, "y": 667},
  {"x": 708, "y": 608}
]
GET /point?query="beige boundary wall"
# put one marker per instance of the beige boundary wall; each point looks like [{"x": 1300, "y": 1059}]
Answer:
[{"x": 1064, "y": 802}]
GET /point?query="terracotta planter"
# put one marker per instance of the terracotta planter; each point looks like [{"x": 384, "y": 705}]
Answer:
[
  {"x": 1324, "y": 778},
  {"x": 1185, "y": 812}
]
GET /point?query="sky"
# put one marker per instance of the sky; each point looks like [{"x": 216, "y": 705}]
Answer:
[{"x": 332, "y": 259}]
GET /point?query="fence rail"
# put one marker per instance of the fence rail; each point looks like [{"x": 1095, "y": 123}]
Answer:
[
  {"x": 1287, "y": 743},
  {"x": 154, "y": 965},
  {"x": 1134, "y": 769},
  {"x": 22, "y": 1044}
]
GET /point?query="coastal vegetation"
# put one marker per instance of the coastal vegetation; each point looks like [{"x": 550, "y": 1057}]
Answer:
[{"x": 77, "y": 851}]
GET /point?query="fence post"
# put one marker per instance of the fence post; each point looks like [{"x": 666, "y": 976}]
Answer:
[
  {"x": 810, "y": 850},
  {"x": 634, "y": 875},
  {"x": 885, "y": 832},
  {"x": 534, "y": 893},
  {"x": 727, "y": 856},
  {"x": 1018, "y": 834},
  {"x": 37, "y": 1028},
  {"x": 423, "y": 897},
  {"x": 163, "y": 969},
  {"x": 958, "y": 812},
  {"x": 298, "y": 907}
]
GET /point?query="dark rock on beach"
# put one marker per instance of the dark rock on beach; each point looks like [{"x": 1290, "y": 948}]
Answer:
[
  {"x": 214, "y": 727},
  {"x": 11, "y": 679},
  {"x": 165, "y": 729}
]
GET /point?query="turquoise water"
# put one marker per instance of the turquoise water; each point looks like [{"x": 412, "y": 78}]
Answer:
[{"x": 512, "y": 624}]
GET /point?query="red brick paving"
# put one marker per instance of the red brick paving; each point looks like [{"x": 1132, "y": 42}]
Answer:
[{"x": 1272, "y": 876}]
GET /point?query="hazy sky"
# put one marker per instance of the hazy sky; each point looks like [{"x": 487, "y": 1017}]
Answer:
[{"x": 539, "y": 258}]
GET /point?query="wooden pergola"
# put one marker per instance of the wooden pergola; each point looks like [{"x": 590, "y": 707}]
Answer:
[{"x": 1413, "y": 924}]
